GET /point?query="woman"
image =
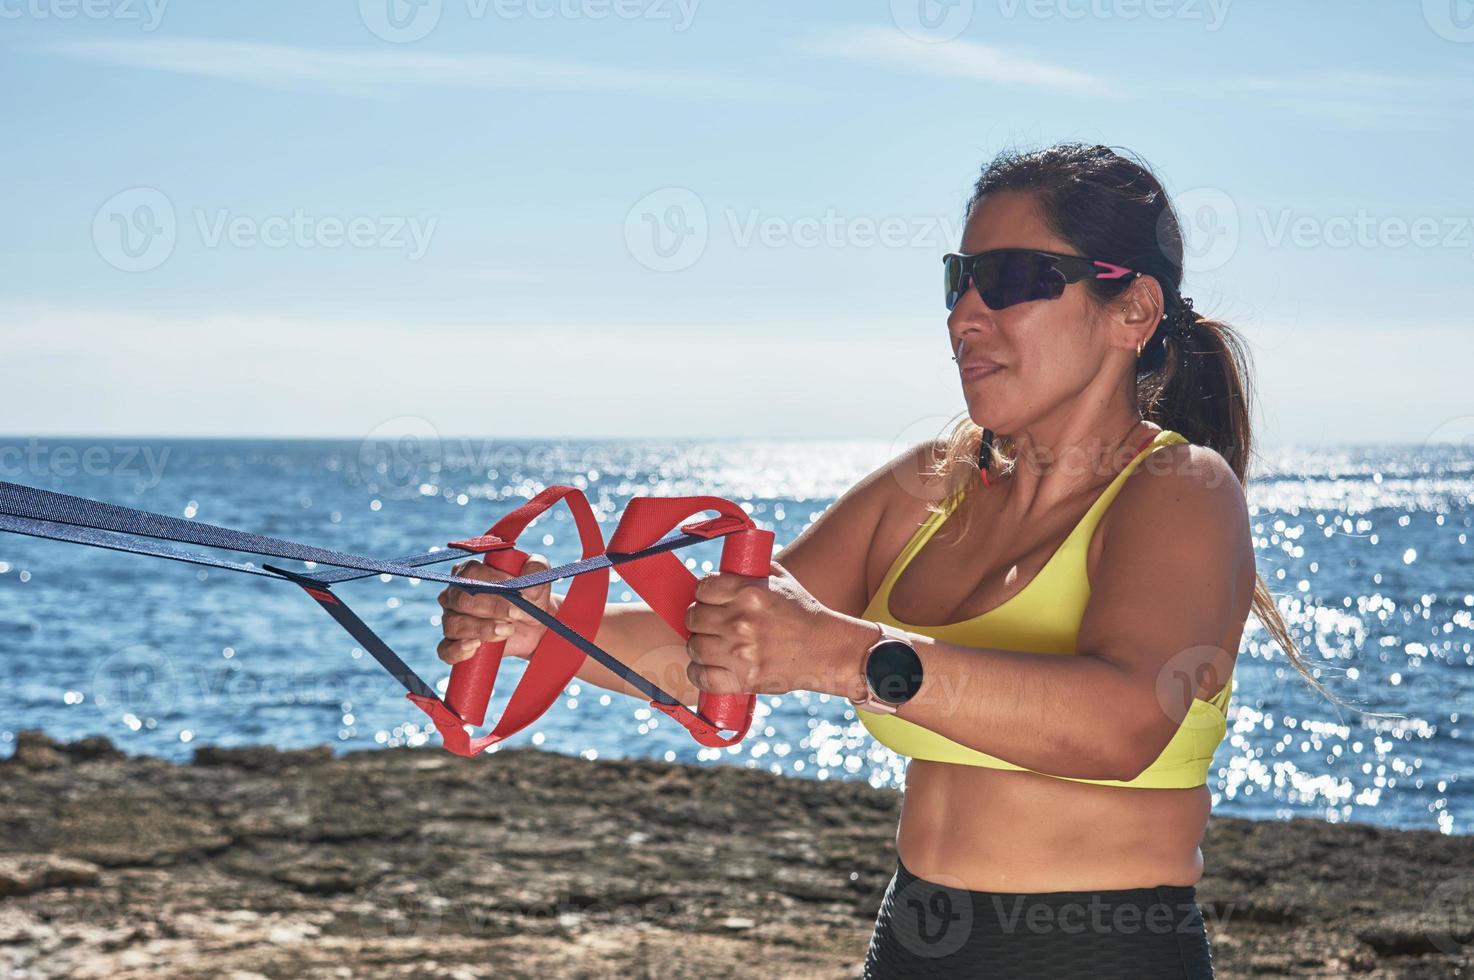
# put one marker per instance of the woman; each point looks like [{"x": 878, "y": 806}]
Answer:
[{"x": 1053, "y": 639}]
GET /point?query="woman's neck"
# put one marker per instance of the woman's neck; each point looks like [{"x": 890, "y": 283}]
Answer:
[{"x": 1051, "y": 467}]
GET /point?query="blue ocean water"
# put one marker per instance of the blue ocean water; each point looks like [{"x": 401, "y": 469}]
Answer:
[{"x": 1368, "y": 547}]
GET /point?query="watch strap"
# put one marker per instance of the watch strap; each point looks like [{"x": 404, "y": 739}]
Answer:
[{"x": 871, "y": 702}]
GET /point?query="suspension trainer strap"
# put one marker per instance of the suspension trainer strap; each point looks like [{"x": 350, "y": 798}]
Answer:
[{"x": 659, "y": 578}]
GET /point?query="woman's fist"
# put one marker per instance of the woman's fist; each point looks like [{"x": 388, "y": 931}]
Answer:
[
  {"x": 754, "y": 635},
  {"x": 470, "y": 620}
]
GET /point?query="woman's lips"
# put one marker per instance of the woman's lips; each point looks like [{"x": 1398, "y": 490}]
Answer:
[{"x": 979, "y": 369}]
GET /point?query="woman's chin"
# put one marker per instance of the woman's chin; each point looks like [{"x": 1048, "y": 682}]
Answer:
[{"x": 987, "y": 416}]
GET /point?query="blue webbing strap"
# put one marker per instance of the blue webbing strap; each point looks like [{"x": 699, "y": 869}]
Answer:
[
  {"x": 361, "y": 632},
  {"x": 60, "y": 517},
  {"x": 59, "y": 508},
  {"x": 390, "y": 661},
  {"x": 97, "y": 538}
]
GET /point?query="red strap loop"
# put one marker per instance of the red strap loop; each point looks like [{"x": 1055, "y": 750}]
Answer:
[
  {"x": 669, "y": 588},
  {"x": 662, "y": 580},
  {"x": 555, "y": 661}
]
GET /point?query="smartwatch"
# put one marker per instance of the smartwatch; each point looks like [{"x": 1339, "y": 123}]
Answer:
[{"x": 892, "y": 671}]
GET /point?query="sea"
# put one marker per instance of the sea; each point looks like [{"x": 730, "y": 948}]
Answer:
[{"x": 1367, "y": 548}]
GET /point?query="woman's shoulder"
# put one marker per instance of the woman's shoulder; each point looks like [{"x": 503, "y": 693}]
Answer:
[
  {"x": 912, "y": 475},
  {"x": 1179, "y": 466},
  {"x": 1181, "y": 488},
  {"x": 913, "y": 485},
  {"x": 924, "y": 478}
]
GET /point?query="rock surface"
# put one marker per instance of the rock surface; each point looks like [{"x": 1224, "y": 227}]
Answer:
[{"x": 412, "y": 863}]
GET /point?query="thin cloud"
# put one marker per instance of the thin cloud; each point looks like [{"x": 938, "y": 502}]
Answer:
[
  {"x": 505, "y": 276},
  {"x": 381, "y": 72},
  {"x": 1359, "y": 99},
  {"x": 966, "y": 60}
]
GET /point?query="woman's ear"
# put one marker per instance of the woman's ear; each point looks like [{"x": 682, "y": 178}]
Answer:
[{"x": 1135, "y": 313}]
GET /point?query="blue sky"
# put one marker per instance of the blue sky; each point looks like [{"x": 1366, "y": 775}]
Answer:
[{"x": 649, "y": 218}]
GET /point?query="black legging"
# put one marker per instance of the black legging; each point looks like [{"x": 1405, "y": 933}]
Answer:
[{"x": 925, "y": 929}]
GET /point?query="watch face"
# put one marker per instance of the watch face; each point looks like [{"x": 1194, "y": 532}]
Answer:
[{"x": 894, "y": 671}]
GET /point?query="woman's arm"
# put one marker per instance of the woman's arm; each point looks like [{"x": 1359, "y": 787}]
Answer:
[
  {"x": 828, "y": 558},
  {"x": 634, "y": 634},
  {"x": 1166, "y": 612}
]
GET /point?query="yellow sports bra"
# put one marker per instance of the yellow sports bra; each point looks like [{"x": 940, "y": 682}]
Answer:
[{"x": 1044, "y": 618}]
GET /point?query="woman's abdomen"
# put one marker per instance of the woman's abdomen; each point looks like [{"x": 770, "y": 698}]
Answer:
[{"x": 998, "y": 830}]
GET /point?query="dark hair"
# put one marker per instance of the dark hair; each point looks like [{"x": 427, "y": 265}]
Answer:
[{"x": 1192, "y": 375}]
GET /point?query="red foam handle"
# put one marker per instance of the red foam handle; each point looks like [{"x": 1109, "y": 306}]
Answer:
[
  {"x": 747, "y": 552},
  {"x": 553, "y": 663},
  {"x": 472, "y": 680}
]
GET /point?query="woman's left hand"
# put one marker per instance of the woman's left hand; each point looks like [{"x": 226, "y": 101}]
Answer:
[{"x": 754, "y": 635}]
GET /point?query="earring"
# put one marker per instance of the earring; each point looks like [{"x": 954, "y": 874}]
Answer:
[{"x": 1139, "y": 346}]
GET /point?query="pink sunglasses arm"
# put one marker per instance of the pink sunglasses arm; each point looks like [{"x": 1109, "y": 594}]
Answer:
[{"x": 1112, "y": 271}]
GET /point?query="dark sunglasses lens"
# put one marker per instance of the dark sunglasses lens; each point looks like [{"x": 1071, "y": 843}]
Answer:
[
  {"x": 952, "y": 279},
  {"x": 1017, "y": 277}
]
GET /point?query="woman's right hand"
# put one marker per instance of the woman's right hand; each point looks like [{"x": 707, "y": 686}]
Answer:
[{"x": 470, "y": 620}]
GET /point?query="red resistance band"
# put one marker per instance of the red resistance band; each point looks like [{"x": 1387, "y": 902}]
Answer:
[{"x": 659, "y": 578}]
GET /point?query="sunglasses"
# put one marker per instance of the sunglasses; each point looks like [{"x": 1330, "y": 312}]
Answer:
[{"x": 1008, "y": 276}]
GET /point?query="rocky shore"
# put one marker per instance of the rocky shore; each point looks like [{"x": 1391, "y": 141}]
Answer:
[{"x": 413, "y": 863}]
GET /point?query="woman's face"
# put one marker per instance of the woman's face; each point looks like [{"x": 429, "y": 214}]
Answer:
[{"x": 1048, "y": 350}]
